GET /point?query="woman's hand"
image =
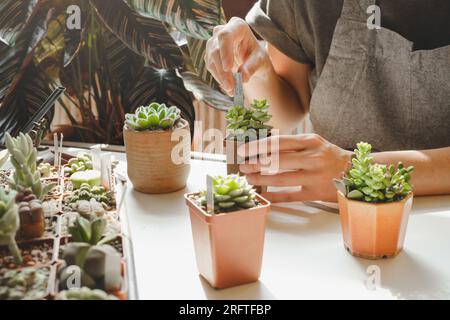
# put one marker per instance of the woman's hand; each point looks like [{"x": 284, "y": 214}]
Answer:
[
  {"x": 234, "y": 48},
  {"x": 306, "y": 161}
]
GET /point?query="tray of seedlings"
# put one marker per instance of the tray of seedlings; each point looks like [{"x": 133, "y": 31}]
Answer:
[{"x": 61, "y": 232}]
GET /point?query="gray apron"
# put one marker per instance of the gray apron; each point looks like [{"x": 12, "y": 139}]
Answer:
[{"x": 376, "y": 88}]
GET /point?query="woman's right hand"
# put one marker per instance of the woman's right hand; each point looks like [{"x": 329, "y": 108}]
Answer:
[{"x": 234, "y": 48}]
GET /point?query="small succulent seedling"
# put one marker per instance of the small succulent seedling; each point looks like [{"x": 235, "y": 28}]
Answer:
[
  {"x": 91, "y": 232},
  {"x": 84, "y": 293},
  {"x": 87, "y": 192},
  {"x": 99, "y": 263},
  {"x": 372, "y": 182},
  {"x": 245, "y": 124},
  {"x": 153, "y": 117},
  {"x": 9, "y": 223},
  {"x": 89, "y": 209},
  {"x": 24, "y": 284},
  {"x": 82, "y": 162},
  {"x": 231, "y": 193},
  {"x": 23, "y": 158},
  {"x": 90, "y": 177},
  {"x": 45, "y": 169},
  {"x": 31, "y": 213}
]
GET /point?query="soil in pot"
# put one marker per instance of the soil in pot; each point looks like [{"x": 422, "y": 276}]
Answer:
[
  {"x": 229, "y": 246},
  {"x": 4, "y": 177},
  {"x": 25, "y": 284},
  {"x": 151, "y": 168},
  {"x": 34, "y": 253},
  {"x": 374, "y": 231}
]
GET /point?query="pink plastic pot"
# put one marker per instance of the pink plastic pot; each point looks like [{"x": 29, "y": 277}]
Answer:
[{"x": 229, "y": 246}]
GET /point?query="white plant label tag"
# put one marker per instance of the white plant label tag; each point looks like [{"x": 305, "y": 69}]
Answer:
[{"x": 209, "y": 194}]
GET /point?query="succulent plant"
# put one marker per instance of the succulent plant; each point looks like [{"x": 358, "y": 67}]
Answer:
[
  {"x": 86, "y": 192},
  {"x": 91, "y": 232},
  {"x": 99, "y": 266},
  {"x": 24, "y": 284},
  {"x": 9, "y": 223},
  {"x": 90, "y": 177},
  {"x": 246, "y": 124},
  {"x": 82, "y": 162},
  {"x": 45, "y": 169},
  {"x": 89, "y": 209},
  {"x": 23, "y": 158},
  {"x": 231, "y": 193},
  {"x": 4, "y": 157},
  {"x": 372, "y": 182},
  {"x": 84, "y": 293},
  {"x": 31, "y": 214},
  {"x": 153, "y": 117}
]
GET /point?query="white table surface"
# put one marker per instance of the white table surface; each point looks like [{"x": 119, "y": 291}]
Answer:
[{"x": 304, "y": 256}]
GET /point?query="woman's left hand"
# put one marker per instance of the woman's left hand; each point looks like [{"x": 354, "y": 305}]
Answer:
[{"x": 306, "y": 161}]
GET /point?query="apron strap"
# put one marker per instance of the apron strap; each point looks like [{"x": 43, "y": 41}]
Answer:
[{"x": 356, "y": 9}]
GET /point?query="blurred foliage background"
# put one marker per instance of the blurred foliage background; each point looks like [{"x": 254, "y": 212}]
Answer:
[{"x": 125, "y": 53}]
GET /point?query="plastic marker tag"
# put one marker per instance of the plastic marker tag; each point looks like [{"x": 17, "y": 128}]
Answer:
[
  {"x": 209, "y": 195},
  {"x": 238, "y": 90}
]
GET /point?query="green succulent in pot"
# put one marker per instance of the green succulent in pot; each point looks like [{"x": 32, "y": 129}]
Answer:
[
  {"x": 9, "y": 223},
  {"x": 98, "y": 263},
  {"x": 24, "y": 160},
  {"x": 372, "y": 182},
  {"x": 153, "y": 117},
  {"x": 246, "y": 124},
  {"x": 231, "y": 193}
]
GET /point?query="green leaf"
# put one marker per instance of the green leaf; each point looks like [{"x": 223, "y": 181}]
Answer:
[
  {"x": 355, "y": 194},
  {"x": 195, "y": 18},
  {"x": 147, "y": 37}
]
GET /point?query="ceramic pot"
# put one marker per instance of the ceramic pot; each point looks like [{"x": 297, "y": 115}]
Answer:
[
  {"x": 374, "y": 231},
  {"x": 151, "y": 168},
  {"x": 229, "y": 246}
]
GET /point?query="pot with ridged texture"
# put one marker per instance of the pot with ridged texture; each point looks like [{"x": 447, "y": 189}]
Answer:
[{"x": 158, "y": 161}]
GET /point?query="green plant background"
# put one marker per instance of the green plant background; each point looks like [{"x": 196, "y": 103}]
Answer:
[{"x": 127, "y": 53}]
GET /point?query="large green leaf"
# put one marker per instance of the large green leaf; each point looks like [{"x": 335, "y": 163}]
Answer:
[
  {"x": 14, "y": 15},
  {"x": 15, "y": 64},
  {"x": 194, "y": 18},
  {"x": 205, "y": 93},
  {"x": 26, "y": 99},
  {"x": 197, "y": 63},
  {"x": 144, "y": 36}
]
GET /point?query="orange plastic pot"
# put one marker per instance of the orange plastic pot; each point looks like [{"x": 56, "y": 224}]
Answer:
[
  {"x": 229, "y": 247},
  {"x": 374, "y": 231}
]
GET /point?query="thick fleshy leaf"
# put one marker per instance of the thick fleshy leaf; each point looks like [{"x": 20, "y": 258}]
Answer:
[
  {"x": 147, "y": 37},
  {"x": 194, "y": 18}
]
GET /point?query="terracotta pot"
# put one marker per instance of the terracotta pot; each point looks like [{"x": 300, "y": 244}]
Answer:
[
  {"x": 149, "y": 159},
  {"x": 233, "y": 160},
  {"x": 374, "y": 231},
  {"x": 229, "y": 247}
]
